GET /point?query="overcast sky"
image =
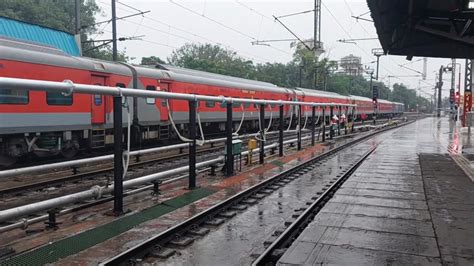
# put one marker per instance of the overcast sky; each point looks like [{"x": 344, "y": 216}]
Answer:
[{"x": 236, "y": 23}]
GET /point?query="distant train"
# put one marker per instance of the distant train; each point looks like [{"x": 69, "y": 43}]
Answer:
[{"x": 46, "y": 123}]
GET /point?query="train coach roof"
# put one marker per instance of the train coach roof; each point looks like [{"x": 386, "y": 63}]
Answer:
[
  {"x": 201, "y": 77},
  {"x": 359, "y": 98},
  {"x": 319, "y": 93},
  {"x": 36, "y": 53},
  {"x": 24, "y": 51},
  {"x": 105, "y": 66}
]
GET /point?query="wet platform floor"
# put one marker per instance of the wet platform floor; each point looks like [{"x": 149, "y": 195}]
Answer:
[{"x": 408, "y": 204}]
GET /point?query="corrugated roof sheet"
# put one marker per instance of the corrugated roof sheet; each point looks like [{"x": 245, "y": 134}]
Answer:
[{"x": 34, "y": 33}]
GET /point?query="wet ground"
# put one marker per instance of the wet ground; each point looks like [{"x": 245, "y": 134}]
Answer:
[
  {"x": 85, "y": 220},
  {"x": 240, "y": 239},
  {"x": 409, "y": 203}
]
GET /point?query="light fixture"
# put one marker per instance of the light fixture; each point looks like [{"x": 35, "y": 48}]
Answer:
[{"x": 470, "y": 4}]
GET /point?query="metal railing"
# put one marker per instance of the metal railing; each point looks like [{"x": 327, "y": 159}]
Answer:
[{"x": 68, "y": 87}]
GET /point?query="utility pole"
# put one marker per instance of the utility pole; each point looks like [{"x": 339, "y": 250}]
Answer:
[
  {"x": 453, "y": 86},
  {"x": 317, "y": 25},
  {"x": 378, "y": 52},
  {"x": 440, "y": 86},
  {"x": 78, "y": 16},
  {"x": 114, "y": 32}
]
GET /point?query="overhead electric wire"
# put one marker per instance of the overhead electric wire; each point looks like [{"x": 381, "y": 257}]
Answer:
[
  {"x": 367, "y": 32},
  {"x": 292, "y": 33},
  {"x": 349, "y": 35},
  {"x": 246, "y": 54},
  {"x": 297, "y": 13},
  {"x": 211, "y": 19},
  {"x": 223, "y": 25},
  {"x": 254, "y": 10}
]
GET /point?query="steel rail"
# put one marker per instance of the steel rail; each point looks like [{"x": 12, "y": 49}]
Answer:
[
  {"x": 75, "y": 163},
  {"x": 143, "y": 248},
  {"x": 59, "y": 180},
  {"x": 98, "y": 191},
  {"x": 295, "y": 228},
  {"x": 24, "y": 223}
]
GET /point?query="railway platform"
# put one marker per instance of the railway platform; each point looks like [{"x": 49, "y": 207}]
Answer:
[{"x": 409, "y": 203}]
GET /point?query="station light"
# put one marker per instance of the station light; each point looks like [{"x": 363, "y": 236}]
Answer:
[
  {"x": 457, "y": 97},
  {"x": 470, "y": 4}
]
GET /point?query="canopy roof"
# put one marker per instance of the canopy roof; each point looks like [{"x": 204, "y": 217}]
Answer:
[{"x": 426, "y": 28}]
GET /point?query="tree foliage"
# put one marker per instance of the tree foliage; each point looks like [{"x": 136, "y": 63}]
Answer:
[
  {"x": 151, "y": 60},
  {"x": 60, "y": 15}
]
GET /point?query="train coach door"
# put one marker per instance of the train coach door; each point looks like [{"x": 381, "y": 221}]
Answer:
[
  {"x": 98, "y": 102},
  {"x": 163, "y": 108}
]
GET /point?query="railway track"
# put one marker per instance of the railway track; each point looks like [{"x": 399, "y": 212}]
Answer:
[
  {"x": 177, "y": 238},
  {"x": 89, "y": 174},
  {"x": 55, "y": 178}
]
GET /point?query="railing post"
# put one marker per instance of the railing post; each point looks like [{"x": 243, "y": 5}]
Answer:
[
  {"x": 352, "y": 119},
  {"x": 280, "y": 133},
  {"x": 118, "y": 156},
  {"x": 299, "y": 126},
  {"x": 339, "y": 122},
  {"x": 324, "y": 124},
  {"x": 262, "y": 134},
  {"x": 192, "y": 144},
  {"x": 313, "y": 125},
  {"x": 331, "y": 128},
  {"x": 229, "y": 128}
]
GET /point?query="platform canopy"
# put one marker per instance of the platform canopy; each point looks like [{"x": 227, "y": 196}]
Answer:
[{"x": 426, "y": 28}]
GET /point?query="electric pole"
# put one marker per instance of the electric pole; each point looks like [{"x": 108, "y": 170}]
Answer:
[
  {"x": 440, "y": 87},
  {"x": 378, "y": 52},
  {"x": 114, "y": 32},
  {"x": 78, "y": 16},
  {"x": 317, "y": 25}
]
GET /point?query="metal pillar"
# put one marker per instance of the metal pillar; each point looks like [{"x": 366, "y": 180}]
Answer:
[
  {"x": 299, "y": 127},
  {"x": 118, "y": 156},
  {"x": 352, "y": 119},
  {"x": 467, "y": 90},
  {"x": 440, "y": 86},
  {"x": 77, "y": 16},
  {"x": 229, "y": 155},
  {"x": 262, "y": 134},
  {"x": 192, "y": 144},
  {"x": 280, "y": 133},
  {"x": 331, "y": 128},
  {"x": 313, "y": 124},
  {"x": 324, "y": 124},
  {"x": 114, "y": 32},
  {"x": 452, "y": 91},
  {"x": 339, "y": 123}
]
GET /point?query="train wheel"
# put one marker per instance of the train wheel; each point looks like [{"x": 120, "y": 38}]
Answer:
[
  {"x": 7, "y": 160},
  {"x": 70, "y": 150}
]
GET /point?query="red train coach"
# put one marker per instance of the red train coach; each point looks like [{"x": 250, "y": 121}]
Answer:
[{"x": 52, "y": 123}]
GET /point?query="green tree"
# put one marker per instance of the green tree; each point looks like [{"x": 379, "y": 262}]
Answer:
[
  {"x": 151, "y": 60},
  {"x": 212, "y": 58},
  {"x": 60, "y": 15}
]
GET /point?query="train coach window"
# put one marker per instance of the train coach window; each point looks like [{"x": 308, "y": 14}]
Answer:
[
  {"x": 150, "y": 100},
  {"x": 246, "y": 105},
  {"x": 210, "y": 104},
  {"x": 57, "y": 98},
  {"x": 13, "y": 96}
]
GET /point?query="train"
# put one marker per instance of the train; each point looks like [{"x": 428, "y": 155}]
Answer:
[{"x": 48, "y": 123}]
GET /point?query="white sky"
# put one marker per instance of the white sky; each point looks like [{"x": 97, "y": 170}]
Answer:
[{"x": 168, "y": 26}]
